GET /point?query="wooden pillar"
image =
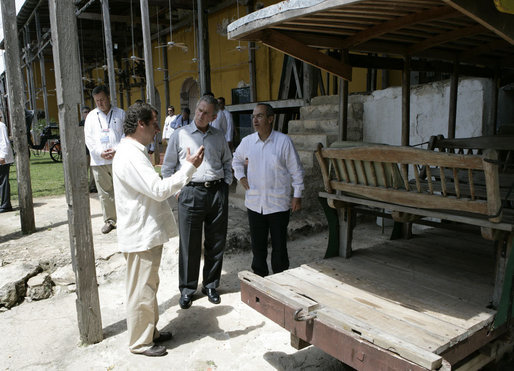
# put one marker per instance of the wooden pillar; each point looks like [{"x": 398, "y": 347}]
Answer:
[
  {"x": 406, "y": 102},
  {"x": 454, "y": 88},
  {"x": 67, "y": 78},
  {"x": 203, "y": 49},
  {"x": 42, "y": 68},
  {"x": 128, "y": 86},
  {"x": 30, "y": 68},
  {"x": 251, "y": 60},
  {"x": 308, "y": 82},
  {"x": 121, "y": 86},
  {"x": 343, "y": 104},
  {"x": 150, "y": 85},
  {"x": 108, "y": 51},
  {"x": 491, "y": 129},
  {"x": 166, "y": 77},
  {"x": 17, "y": 114}
]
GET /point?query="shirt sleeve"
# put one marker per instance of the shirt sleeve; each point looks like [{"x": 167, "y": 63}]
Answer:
[
  {"x": 230, "y": 127},
  {"x": 238, "y": 162},
  {"x": 4, "y": 142},
  {"x": 92, "y": 143},
  {"x": 295, "y": 168},
  {"x": 170, "y": 161},
  {"x": 226, "y": 159}
]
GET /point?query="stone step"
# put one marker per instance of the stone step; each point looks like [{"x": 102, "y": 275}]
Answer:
[
  {"x": 322, "y": 111},
  {"x": 325, "y": 99},
  {"x": 315, "y": 126},
  {"x": 310, "y": 142}
]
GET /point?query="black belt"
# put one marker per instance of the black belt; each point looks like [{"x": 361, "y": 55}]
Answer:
[{"x": 208, "y": 184}]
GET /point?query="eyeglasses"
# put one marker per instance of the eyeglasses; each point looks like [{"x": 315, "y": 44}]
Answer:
[{"x": 259, "y": 116}]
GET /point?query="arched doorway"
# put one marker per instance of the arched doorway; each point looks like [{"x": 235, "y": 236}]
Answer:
[{"x": 189, "y": 94}]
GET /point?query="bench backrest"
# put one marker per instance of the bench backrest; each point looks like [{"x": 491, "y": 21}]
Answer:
[{"x": 381, "y": 172}]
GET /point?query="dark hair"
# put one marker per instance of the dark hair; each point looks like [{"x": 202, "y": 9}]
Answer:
[
  {"x": 138, "y": 101},
  {"x": 209, "y": 99},
  {"x": 173, "y": 108},
  {"x": 99, "y": 89},
  {"x": 84, "y": 108},
  {"x": 138, "y": 111},
  {"x": 209, "y": 93},
  {"x": 222, "y": 99},
  {"x": 269, "y": 109},
  {"x": 186, "y": 110}
]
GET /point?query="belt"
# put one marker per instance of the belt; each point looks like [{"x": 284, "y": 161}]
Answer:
[{"x": 208, "y": 184}]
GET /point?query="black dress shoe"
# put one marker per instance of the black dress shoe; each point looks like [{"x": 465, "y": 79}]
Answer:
[
  {"x": 163, "y": 336},
  {"x": 212, "y": 294},
  {"x": 185, "y": 301},
  {"x": 155, "y": 351}
]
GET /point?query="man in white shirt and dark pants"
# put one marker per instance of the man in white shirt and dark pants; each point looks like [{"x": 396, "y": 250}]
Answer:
[
  {"x": 6, "y": 159},
  {"x": 168, "y": 127},
  {"x": 274, "y": 168},
  {"x": 103, "y": 130},
  {"x": 229, "y": 134},
  {"x": 145, "y": 223}
]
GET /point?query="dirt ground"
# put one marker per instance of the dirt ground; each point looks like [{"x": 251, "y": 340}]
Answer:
[{"x": 230, "y": 336}]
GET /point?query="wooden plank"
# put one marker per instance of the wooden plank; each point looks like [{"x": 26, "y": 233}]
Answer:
[
  {"x": 405, "y": 155},
  {"x": 324, "y": 168},
  {"x": 68, "y": 81},
  {"x": 416, "y": 200},
  {"x": 508, "y": 227},
  {"x": 445, "y": 37},
  {"x": 16, "y": 103},
  {"x": 405, "y": 139},
  {"x": 297, "y": 49},
  {"x": 106, "y": 20},
  {"x": 494, "y": 203},
  {"x": 497, "y": 142},
  {"x": 204, "y": 66}
]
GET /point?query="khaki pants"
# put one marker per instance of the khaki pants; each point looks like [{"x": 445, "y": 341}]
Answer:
[
  {"x": 103, "y": 180},
  {"x": 142, "y": 283}
]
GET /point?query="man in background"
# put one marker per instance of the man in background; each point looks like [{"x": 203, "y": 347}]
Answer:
[
  {"x": 92, "y": 186},
  {"x": 168, "y": 127},
  {"x": 229, "y": 134},
  {"x": 103, "y": 130},
  {"x": 182, "y": 119},
  {"x": 6, "y": 159}
]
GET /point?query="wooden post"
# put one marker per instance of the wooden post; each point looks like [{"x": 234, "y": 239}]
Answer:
[
  {"x": 343, "y": 103},
  {"x": 406, "y": 102},
  {"x": 491, "y": 129},
  {"x": 67, "y": 78},
  {"x": 30, "y": 69},
  {"x": 308, "y": 81},
  {"x": 251, "y": 60},
  {"x": 17, "y": 115},
  {"x": 164, "y": 52},
  {"x": 454, "y": 87},
  {"x": 203, "y": 49},
  {"x": 42, "y": 68},
  {"x": 150, "y": 85},
  {"x": 128, "y": 88},
  {"x": 108, "y": 51}
]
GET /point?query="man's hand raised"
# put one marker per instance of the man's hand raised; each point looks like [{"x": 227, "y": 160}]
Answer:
[{"x": 197, "y": 158}]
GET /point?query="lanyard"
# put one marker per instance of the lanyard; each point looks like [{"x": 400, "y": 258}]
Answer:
[{"x": 108, "y": 123}]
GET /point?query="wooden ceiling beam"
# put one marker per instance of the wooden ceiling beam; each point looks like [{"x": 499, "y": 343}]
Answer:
[
  {"x": 485, "y": 13},
  {"x": 290, "y": 46},
  {"x": 396, "y": 24},
  {"x": 445, "y": 37}
]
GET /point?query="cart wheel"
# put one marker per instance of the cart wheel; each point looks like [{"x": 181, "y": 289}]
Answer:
[{"x": 55, "y": 152}]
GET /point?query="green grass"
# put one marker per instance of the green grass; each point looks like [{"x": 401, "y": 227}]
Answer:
[{"x": 46, "y": 175}]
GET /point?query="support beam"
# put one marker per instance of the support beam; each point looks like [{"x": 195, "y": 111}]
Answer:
[
  {"x": 251, "y": 60},
  {"x": 445, "y": 37},
  {"x": 30, "y": 68},
  {"x": 454, "y": 87},
  {"x": 166, "y": 67},
  {"x": 343, "y": 103},
  {"x": 308, "y": 82},
  {"x": 288, "y": 45},
  {"x": 485, "y": 13},
  {"x": 406, "y": 102},
  {"x": 67, "y": 78},
  {"x": 108, "y": 51},
  {"x": 17, "y": 115},
  {"x": 150, "y": 84},
  {"x": 203, "y": 48},
  {"x": 43, "y": 69}
]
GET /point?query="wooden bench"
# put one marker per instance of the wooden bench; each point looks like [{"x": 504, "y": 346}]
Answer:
[{"x": 416, "y": 183}]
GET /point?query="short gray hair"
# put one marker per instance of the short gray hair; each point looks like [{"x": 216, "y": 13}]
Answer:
[
  {"x": 209, "y": 99},
  {"x": 269, "y": 110}
]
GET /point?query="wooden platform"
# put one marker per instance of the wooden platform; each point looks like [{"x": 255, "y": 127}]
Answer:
[{"x": 416, "y": 298}]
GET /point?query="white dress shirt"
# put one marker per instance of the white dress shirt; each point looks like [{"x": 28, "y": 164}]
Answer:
[
  {"x": 99, "y": 124},
  {"x": 273, "y": 168},
  {"x": 230, "y": 125},
  {"x": 144, "y": 220},
  {"x": 168, "y": 128},
  {"x": 220, "y": 123},
  {"x": 217, "y": 162},
  {"x": 5, "y": 145}
]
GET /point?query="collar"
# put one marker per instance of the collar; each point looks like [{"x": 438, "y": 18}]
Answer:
[
  {"x": 195, "y": 128},
  {"x": 268, "y": 139},
  {"x": 134, "y": 143}
]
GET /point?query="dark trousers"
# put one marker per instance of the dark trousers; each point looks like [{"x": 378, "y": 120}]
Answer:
[
  {"x": 5, "y": 188},
  {"x": 260, "y": 227},
  {"x": 208, "y": 208}
]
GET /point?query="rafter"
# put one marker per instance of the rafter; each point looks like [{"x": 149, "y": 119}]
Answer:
[
  {"x": 441, "y": 12},
  {"x": 445, "y": 37}
]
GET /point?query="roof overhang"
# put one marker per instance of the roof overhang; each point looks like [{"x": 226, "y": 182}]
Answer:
[{"x": 473, "y": 32}]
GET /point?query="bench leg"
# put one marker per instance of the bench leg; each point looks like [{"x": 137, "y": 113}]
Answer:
[
  {"x": 347, "y": 218},
  {"x": 503, "y": 251},
  {"x": 401, "y": 230}
]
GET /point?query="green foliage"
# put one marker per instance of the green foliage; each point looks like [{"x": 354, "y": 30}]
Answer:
[{"x": 46, "y": 175}]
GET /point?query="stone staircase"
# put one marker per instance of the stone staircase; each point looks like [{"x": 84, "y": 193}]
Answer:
[{"x": 318, "y": 124}]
